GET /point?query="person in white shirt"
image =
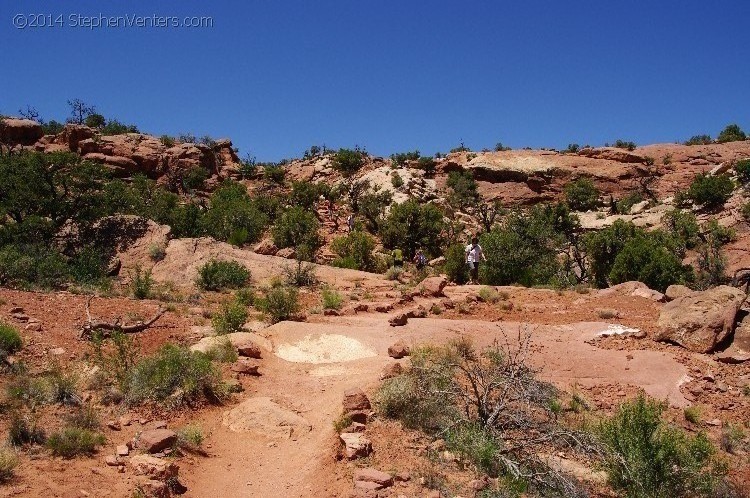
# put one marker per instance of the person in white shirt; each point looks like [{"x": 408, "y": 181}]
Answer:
[{"x": 474, "y": 255}]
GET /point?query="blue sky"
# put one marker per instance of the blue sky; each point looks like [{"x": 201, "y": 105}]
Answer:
[{"x": 279, "y": 76}]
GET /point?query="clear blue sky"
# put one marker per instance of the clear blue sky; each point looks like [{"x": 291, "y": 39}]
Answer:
[{"x": 392, "y": 75}]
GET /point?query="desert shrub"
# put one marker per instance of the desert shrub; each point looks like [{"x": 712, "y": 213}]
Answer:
[
  {"x": 30, "y": 391},
  {"x": 624, "y": 205},
  {"x": 10, "y": 340},
  {"x": 732, "y": 133},
  {"x": 683, "y": 225},
  {"x": 298, "y": 228},
  {"x": 355, "y": 251},
  {"x": 115, "y": 127},
  {"x": 411, "y": 225},
  {"x": 460, "y": 148},
  {"x": 710, "y": 191},
  {"x": 745, "y": 211},
  {"x": 85, "y": 417},
  {"x": 63, "y": 386},
  {"x": 300, "y": 274},
  {"x": 489, "y": 295},
  {"x": 141, "y": 283},
  {"x": 24, "y": 430},
  {"x": 342, "y": 422},
  {"x": 167, "y": 141},
  {"x": 427, "y": 164},
  {"x": 523, "y": 250},
  {"x": 692, "y": 414},
  {"x": 455, "y": 264},
  {"x": 646, "y": 457},
  {"x": 394, "y": 273},
  {"x": 116, "y": 357},
  {"x": 224, "y": 351},
  {"x": 711, "y": 261},
  {"x": 648, "y": 260},
  {"x": 190, "y": 437},
  {"x": 400, "y": 159},
  {"x": 331, "y": 299},
  {"x": 172, "y": 370},
  {"x": 572, "y": 148},
  {"x": 622, "y": 144},
  {"x": 463, "y": 189},
  {"x": 373, "y": 205},
  {"x": 194, "y": 178},
  {"x": 156, "y": 252},
  {"x": 274, "y": 173},
  {"x": 230, "y": 318},
  {"x": 348, "y": 161},
  {"x": 732, "y": 437},
  {"x": 219, "y": 275},
  {"x": 233, "y": 215},
  {"x": 8, "y": 463},
  {"x": 742, "y": 170},
  {"x": 396, "y": 180},
  {"x": 499, "y": 147},
  {"x": 473, "y": 396},
  {"x": 699, "y": 140},
  {"x": 52, "y": 127},
  {"x": 74, "y": 441},
  {"x": 88, "y": 266},
  {"x": 581, "y": 195},
  {"x": 280, "y": 303},
  {"x": 603, "y": 246},
  {"x": 28, "y": 266}
]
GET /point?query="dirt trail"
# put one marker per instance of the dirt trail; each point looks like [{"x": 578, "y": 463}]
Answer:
[{"x": 250, "y": 464}]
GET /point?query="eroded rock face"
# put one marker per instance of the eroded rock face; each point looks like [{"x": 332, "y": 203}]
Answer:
[
  {"x": 701, "y": 320},
  {"x": 20, "y": 131}
]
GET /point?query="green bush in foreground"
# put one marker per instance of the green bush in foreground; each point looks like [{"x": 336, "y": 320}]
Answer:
[
  {"x": 332, "y": 300},
  {"x": 647, "y": 457},
  {"x": 218, "y": 275},
  {"x": 10, "y": 340},
  {"x": 231, "y": 318},
  {"x": 75, "y": 441},
  {"x": 581, "y": 195},
  {"x": 280, "y": 303},
  {"x": 172, "y": 370}
]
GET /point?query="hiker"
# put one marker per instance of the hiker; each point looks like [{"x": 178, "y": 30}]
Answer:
[
  {"x": 398, "y": 258},
  {"x": 420, "y": 260},
  {"x": 350, "y": 222},
  {"x": 474, "y": 255}
]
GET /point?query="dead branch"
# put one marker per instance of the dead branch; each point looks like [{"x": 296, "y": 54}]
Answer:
[{"x": 91, "y": 325}]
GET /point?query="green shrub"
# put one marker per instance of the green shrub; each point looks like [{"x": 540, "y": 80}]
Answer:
[
  {"x": 710, "y": 191},
  {"x": 489, "y": 295},
  {"x": 692, "y": 414},
  {"x": 648, "y": 458},
  {"x": 156, "y": 252},
  {"x": 190, "y": 437},
  {"x": 172, "y": 372},
  {"x": 396, "y": 180},
  {"x": 245, "y": 296},
  {"x": 499, "y": 147},
  {"x": 306, "y": 194},
  {"x": 298, "y": 228},
  {"x": 712, "y": 265},
  {"x": 699, "y": 140},
  {"x": 89, "y": 266},
  {"x": 74, "y": 441},
  {"x": 115, "y": 127},
  {"x": 8, "y": 463},
  {"x": 603, "y": 246},
  {"x": 624, "y": 205},
  {"x": 348, "y": 161},
  {"x": 373, "y": 205},
  {"x": 412, "y": 225},
  {"x": 85, "y": 417},
  {"x": 332, "y": 300},
  {"x": 732, "y": 133},
  {"x": 581, "y": 195},
  {"x": 400, "y": 159},
  {"x": 684, "y": 225},
  {"x": 746, "y": 211},
  {"x": 233, "y": 215},
  {"x": 32, "y": 266},
  {"x": 455, "y": 264},
  {"x": 23, "y": 431},
  {"x": 476, "y": 444},
  {"x": 427, "y": 164},
  {"x": 648, "y": 260},
  {"x": 223, "y": 352},
  {"x": 10, "y": 340},
  {"x": 141, "y": 283},
  {"x": 231, "y": 318},
  {"x": 300, "y": 274},
  {"x": 167, "y": 141},
  {"x": 355, "y": 251},
  {"x": 572, "y": 148},
  {"x": 622, "y": 144},
  {"x": 274, "y": 173},
  {"x": 63, "y": 386},
  {"x": 280, "y": 303},
  {"x": 463, "y": 189},
  {"x": 218, "y": 275},
  {"x": 31, "y": 391},
  {"x": 742, "y": 169},
  {"x": 194, "y": 178}
]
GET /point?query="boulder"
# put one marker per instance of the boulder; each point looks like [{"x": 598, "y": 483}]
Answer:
[
  {"x": 155, "y": 468},
  {"x": 356, "y": 445},
  {"x": 287, "y": 252},
  {"x": 151, "y": 488},
  {"x": 379, "y": 479},
  {"x": 392, "y": 370},
  {"x": 742, "y": 335},
  {"x": 700, "y": 321},
  {"x": 355, "y": 399},
  {"x": 245, "y": 367},
  {"x": 633, "y": 288},
  {"x": 248, "y": 349},
  {"x": 267, "y": 247},
  {"x": 398, "y": 350},
  {"x": 433, "y": 286},
  {"x": 20, "y": 131},
  {"x": 399, "y": 320},
  {"x": 156, "y": 440},
  {"x": 676, "y": 290},
  {"x": 418, "y": 312}
]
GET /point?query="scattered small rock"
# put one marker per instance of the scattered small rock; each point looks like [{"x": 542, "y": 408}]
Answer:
[
  {"x": 249, "y": 350},
  {"x": 399, "y": 320},
  {"x": 391, "y": 370},
  {"x": 373, "y": 479},
  {"x": 356, "y": 445},
  {"x": 354, "y": 400},
  {"x": 155, "y": 440},
  {"x": 122, "y": 450},
  {"x": 245, "y": 367},
  {"x": 398, "y": 350}
]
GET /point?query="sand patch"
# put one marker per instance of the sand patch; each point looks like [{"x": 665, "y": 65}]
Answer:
[{"x": 327, "y": 348}]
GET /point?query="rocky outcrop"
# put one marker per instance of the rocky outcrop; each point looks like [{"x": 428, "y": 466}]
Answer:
[
  {"x": 612, "y": 154},
  {"x": 355, "y": 399},
  {"x": 702, "y": 320},
  {"x": 433, "y": 286},
  {"x": 20, "y": 131}
]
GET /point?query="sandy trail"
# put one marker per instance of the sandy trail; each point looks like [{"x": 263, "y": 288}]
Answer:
[{"x": 258, "y": 464}]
